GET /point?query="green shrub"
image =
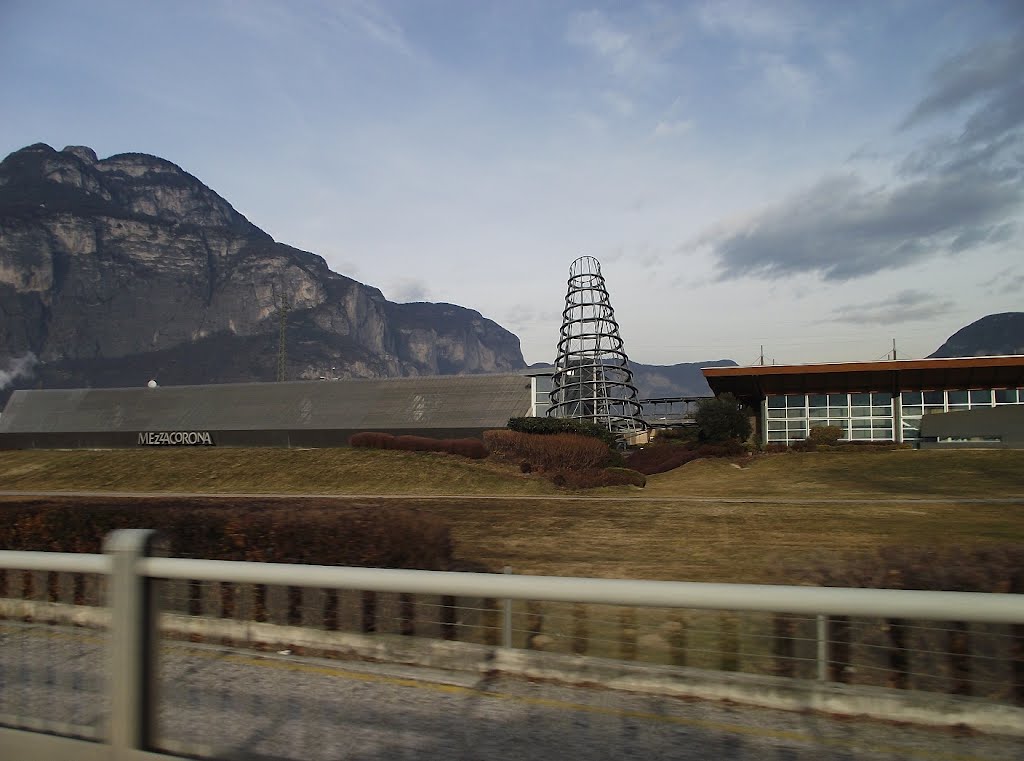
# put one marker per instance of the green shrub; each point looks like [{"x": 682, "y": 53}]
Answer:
[
  {"x": 721, "y": 418},
  {"x": 550, "y": 451},
  {"x": 825, "y": 435},
  {"x": 545, "y": 426}
]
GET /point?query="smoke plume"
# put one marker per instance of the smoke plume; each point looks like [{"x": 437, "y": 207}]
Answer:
[{"x": 17, "y": 367}]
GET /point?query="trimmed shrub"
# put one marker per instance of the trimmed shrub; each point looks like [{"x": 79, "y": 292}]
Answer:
[
  {"x": 372, "y": 440},
  {"x": 550, "y": 451},
  {"x": 546, "y": 426},
  {"x": 660, "y": 458},
  {"x": 471, "y": 448},
  {"x": 826, "y": 435},
  {"x": 594, "y": 478},
  {"x": 626, "y": 477}
]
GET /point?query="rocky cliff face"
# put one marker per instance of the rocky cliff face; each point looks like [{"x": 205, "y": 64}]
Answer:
[
  {"x": 990, "y": 336},
  {"x": 131, "y": 267}
]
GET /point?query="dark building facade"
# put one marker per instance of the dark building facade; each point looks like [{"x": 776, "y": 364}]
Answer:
[{"x": 871, "y": 401}]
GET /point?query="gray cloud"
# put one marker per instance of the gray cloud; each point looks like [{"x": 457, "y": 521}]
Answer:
[
  {"x": 954, "y": 193},
  {"x": 988, "y": 68},
  {"x": 905, "y": 306},
  {"x": 1006, "y": 281},
  {"x": 841, "y": 228}
]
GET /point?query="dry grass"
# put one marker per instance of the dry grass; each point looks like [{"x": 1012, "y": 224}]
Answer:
[
  {"x": 618, "y": 532},
  {"x": 831, "y": 475},
  {"x": 266, "y": 471}
]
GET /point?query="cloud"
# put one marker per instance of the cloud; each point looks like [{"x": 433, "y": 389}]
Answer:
[
  {"x": 905, "y": 306},
  {"x": 407, "y": 290},
  {"x": 667, "y": 128},
  {"x": 748, "y": 20},
  {"x": 841, "y": 228},
  {"x": 952, "y": 194},
  {"x": 1005, "y": 282},
  {"x": 17, "y": 367},
  {"x": 987, "y": 69},
  {"x": 593, "y": 31}
]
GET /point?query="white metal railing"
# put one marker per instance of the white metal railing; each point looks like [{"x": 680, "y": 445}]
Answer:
[{"x": 132, "y": 616}]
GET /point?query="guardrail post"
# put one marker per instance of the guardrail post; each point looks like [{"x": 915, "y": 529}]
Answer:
[
  {"x": 132, "y": 671},
  {"x": 506, "y": 618},
  {"x": 822, "y": 638}
]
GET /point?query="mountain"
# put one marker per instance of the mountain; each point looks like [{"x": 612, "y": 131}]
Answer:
[
  {"x": 119, "y": 270},
  {"x": 992, "y": 335}
]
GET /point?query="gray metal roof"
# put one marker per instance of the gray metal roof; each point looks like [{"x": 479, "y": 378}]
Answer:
[{"x": 454, "y": 401}]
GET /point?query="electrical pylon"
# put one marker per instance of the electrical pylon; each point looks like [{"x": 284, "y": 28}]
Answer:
[{"x": 592, "y": 379}]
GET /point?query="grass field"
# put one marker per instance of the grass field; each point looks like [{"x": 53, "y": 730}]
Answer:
[{"x": 680, "y": 527}]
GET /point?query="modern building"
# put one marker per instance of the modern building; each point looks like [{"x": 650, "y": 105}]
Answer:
[
  {"x": 296, "y": 414},
  {"x": 871, "y": 401}
]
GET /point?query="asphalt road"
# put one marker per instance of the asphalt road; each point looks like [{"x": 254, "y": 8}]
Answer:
[{"x": 228, "y": 704}]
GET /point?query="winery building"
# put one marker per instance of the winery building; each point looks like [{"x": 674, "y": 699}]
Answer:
[{"x": 977, "y": 401}]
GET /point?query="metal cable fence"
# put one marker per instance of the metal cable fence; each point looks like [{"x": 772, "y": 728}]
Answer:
[
  {"x": 202, "y": 657},
  {"x": 53, "y": 646}
]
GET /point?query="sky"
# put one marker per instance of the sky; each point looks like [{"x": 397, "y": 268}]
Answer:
[{"x": 817, "y": 178}]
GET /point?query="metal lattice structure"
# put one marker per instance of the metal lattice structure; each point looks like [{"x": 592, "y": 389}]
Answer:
[{"x": 592, "y": 379}]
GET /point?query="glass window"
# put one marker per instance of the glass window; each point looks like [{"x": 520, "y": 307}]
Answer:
[
  {"x": 879, "y": 431},
  {"x": 773, "y": 413},
  {"x": 860, "y": 423},
  {"x": 776, "y": 435},
  {"x": 817, "y": 412},
  {"x": 881, "y": 399},
  {"x": 934, "y": 397},
  {"x": 1006, "y": 396},
  {"x": 796, "y": 400},
  {"x": 981, "y": 398},
  {"x": 796, "y": 412},
  {"x": 911, "y": 433},
  {"x": 910, "y": 397},
  {"x": 839, "y": 423},
  {"x": 957, "y": 397},
  {"x": 913, "y": 411},
  {"x": 817, "y": 400},
  {"x": 860, "y": 411},
  {"x": 837, "y": 400},
  {"x": 776, "y": 402},
  {"x": 863, "y": 400},
  {"x": 776, "y": 425},
  {"x": 861, "y": 434},
  {"x": 881, "y": 411},
  {"x": 958, "y": 407},
  {"x": 544, "y": 382}
]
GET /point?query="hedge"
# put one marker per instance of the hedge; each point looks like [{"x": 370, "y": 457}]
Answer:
[
  {"x": 474, "y": 449},
  {"x": 267, "y": 530},
  {"x": 549, "y": 452},
  {"x": 546, "y": 426}
]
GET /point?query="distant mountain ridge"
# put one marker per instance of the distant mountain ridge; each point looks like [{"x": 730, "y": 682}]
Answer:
[
  {"x": 992, "y": 335},
  {"x": 119, "y": 270}
]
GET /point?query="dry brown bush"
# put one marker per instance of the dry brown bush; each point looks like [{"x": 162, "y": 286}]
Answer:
[{"x": 560, "y": 451}]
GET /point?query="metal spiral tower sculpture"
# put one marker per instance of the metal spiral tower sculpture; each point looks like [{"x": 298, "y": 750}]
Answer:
[{"x": 592, "y": 379}]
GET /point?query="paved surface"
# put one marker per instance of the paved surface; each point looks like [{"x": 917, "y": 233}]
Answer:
[{"x": 222, "y": 703}]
